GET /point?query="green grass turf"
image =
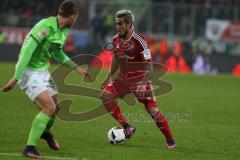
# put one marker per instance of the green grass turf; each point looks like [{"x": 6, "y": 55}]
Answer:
[{"x": 205, "y": 123}]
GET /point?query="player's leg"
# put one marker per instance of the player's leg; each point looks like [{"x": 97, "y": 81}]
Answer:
[
  {"x": 53, "y": 92},
  {"x": 146, "y": 96},
  {"x": 161, "y": 122},
  {"x": 47, "y": 107},
  {"x": 47, "y": 135},
  {"x": 108, "y": 98},
  {"x": 109, "y": 101},
  {"x": 52, "y": 120}
]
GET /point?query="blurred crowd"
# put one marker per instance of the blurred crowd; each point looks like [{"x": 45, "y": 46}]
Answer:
[
  {"x": 202, "y": 2},
  {"x": 177, "y": 56},
  {"x": 184, "y": 57},
  {"x": 181, "y": 17},
  {"x": 178, "y": 17},
  {"x": 162, "y": 18},
  {"x": 25, "y": 13}
]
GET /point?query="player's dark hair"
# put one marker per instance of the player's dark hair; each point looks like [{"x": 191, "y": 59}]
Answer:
[
  {"x": 126, "y": 15},
  {"x": 68, "y": 8}
]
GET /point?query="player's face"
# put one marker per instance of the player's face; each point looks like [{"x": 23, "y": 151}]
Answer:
[
  {"x": 122, "y": 27},
  {"x": 71, "y": 20}
]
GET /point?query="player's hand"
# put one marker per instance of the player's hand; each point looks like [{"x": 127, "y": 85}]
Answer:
[
  {"x": 88, "y": 76},
  {"x": 103, "y": 85},
  {"x": 9, "y": 85},
  {"x": 83, "y": 72}
]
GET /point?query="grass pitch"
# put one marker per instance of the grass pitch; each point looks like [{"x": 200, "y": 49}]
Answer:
[{"x": 203, "y": 112}]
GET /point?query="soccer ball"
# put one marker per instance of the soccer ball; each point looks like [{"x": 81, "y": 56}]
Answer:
[{"x": 116, "y": 135}]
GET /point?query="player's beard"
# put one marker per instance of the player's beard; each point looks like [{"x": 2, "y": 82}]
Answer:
[
  {"x": 123, "y": 36},
  {"x": 68, "y": 25}
]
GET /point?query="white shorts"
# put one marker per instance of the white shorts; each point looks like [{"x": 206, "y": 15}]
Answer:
[{"x": 34, "y": 83}]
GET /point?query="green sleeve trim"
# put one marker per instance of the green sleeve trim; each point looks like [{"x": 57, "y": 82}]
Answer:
[{"x": 34, "y": 38}]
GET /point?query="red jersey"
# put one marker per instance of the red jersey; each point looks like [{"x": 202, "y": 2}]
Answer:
[{"x": 133, "y": 55}]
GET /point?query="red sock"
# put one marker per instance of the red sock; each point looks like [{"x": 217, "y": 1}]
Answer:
[
  {"x": 160, "y": 120},
  {"x": 115, "y": 111},
  {"x": 162, "y": 123}
]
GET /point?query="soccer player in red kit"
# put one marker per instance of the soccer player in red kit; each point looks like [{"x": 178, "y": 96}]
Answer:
[{"x": 132, "y": 57}]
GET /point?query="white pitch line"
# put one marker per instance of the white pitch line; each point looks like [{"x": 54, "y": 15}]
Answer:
[
  {"x": 63, "y": 158},
  {"x": 45, "y": 157}
]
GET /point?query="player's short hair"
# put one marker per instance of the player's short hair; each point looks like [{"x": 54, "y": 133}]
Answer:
[
  {"x": 68, "y": 8},
  {"x": 127, "y": 16}
]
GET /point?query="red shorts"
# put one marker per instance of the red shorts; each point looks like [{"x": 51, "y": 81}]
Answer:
[{"x": 120, "y": 88}]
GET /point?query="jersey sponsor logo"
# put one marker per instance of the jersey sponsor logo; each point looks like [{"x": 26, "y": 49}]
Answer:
[
  {"x": 146, "y": 54},
  {"x": 42, "y": 33},
  {"x": 121, "y": 47},
  {"x": 126, "y": 46},
  {"x": 123, "y": 55}
]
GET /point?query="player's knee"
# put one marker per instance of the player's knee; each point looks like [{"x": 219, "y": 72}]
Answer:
[
  {"x": 49, "y": 109},
  {"x": 150, "y": 105},
  {"x": 156, "y": 114},
  {"x": 152, "y": 108},
  {"x": 153, "y": 112}
]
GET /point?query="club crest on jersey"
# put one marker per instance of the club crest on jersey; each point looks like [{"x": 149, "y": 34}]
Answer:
[{"x": 42, "y": 33}]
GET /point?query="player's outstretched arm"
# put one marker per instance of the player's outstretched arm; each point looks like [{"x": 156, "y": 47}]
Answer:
[
  {"x": 83, "y": 72},
  {"x": 27, "y": 50},
  {"x": 61, "y": 57}
]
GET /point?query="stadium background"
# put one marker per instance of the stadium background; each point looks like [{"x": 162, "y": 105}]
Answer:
[
  {"x": 172, "y": 27},
  {"x": 203, "y": 110}
]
